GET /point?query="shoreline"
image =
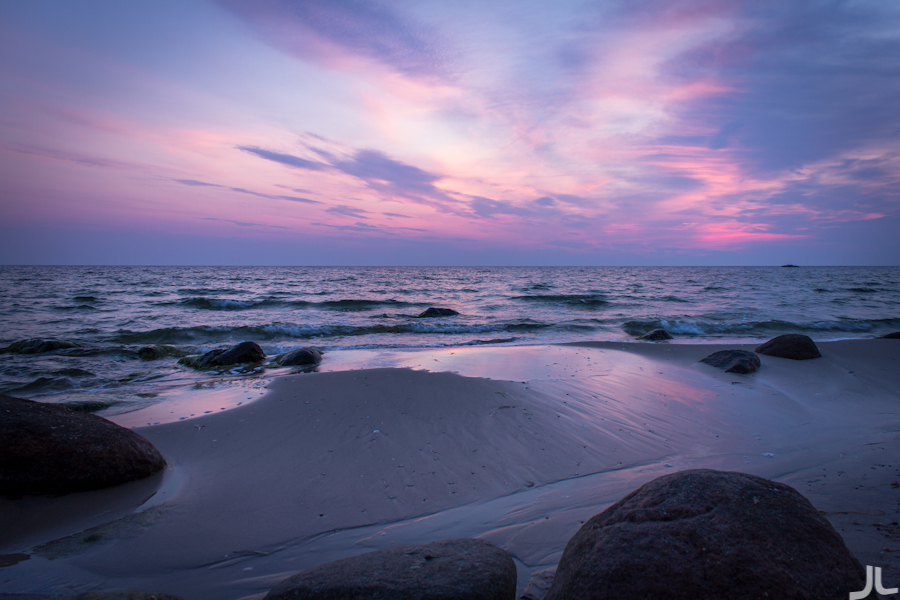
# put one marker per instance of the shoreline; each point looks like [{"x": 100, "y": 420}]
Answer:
[{"x": 562, "y": 432}]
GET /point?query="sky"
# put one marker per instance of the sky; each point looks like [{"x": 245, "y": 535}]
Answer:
[{"x": 352, "y": 132}]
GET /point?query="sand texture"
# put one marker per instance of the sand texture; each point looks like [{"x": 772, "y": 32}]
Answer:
[{"x": 332, "y": 464}]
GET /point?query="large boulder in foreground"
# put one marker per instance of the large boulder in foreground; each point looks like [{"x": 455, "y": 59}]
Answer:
[
  {"x": 245, "y": 352},
  {"x": 301, "y": 357},
  {"x": 437, "y": 312},
  {"x": 49, "y": 449},
  {"x": 656, "y": 335},
  {"x": 733, "y": 361},
  {"x": 449, "y": 570},
  {"x": 790, "y": 345},
  {"x": 38, "y": 346},
  {"x": 712, "y": 535}
]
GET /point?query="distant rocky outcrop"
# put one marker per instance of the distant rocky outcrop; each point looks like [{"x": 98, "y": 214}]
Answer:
[
  {"x": 789, "y": 267},
  {"x": 437, "y": 312},
  {"x": 656, "y": 335},
  {"x": 733, "y": 361},
  {"x": 245, "y": 352},
  {"x": 124, "y": 595},
  {"x": 49, "y": 449},
  {"x": 37, "y": 346},
  {"x": 890, "y": 336},
  {"x": 708, "y": 534},
  {"x": 158, "y": 351},
  {"x": 790, "y": 345},
  {"x": 300, "y": 357},
  {"x": 448, "y": 570}
]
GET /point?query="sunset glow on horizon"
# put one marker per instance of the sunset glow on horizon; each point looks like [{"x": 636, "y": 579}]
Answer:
[{"x": 356, "y": 132}]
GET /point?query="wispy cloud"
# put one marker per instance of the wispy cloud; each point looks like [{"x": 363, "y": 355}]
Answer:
[
  {"x": 322, "y": 30},
  {"x": 244, "y": 223},
  {"x": 197, "y": 183}
]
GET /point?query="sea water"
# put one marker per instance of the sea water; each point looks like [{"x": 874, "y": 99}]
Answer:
[{"x": 112, "y": 312}]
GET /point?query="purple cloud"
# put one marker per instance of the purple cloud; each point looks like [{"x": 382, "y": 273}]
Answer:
[{"x": 360, "y": 27}]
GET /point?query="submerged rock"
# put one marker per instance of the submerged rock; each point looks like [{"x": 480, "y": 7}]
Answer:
[
  {"x": 158, "y": 351},
  {"x": 733, "y": 361},
  {"x": 452, "y": 569},
  {"x": 656, "y": 335},
  {"x": 790, "y": 345},
  {"x": 50, "y": 449},
  {"x": 890, "y": 336},
  {"x": 245, "y": 352},
  {"x": 708, "y": 534},
  {"x": 37, "y": 346},
  {"x": 437, "y": 312},
  {"x": 300, "y": 356}
]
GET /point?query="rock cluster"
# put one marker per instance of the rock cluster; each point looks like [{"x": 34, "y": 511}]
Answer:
[
  {"x": 448, "y": 570},
  {"x": 245, "y": 352},
  {"x": 157, "y": 351},
  {"x": 790, "y": 345},
  {"x": 49, "y": 449},
  {"x": 656, "y": 335},
  {"x": 733, "y": 361},
  {"x": 708, "y": 534},
  {"x": 300, "y": 357},
  {"x": 38, "y": 346}
]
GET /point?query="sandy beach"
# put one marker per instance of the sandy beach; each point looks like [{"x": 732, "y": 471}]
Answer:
[{"x": 515, "y": 445}]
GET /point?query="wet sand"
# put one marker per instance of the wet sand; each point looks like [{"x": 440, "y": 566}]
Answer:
[{"x": 330, "y": 464}]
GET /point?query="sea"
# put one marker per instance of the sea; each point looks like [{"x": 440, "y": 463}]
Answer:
[{"x": 111, "y": 313}]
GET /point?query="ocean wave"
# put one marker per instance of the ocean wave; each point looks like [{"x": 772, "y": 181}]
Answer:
[
  {"x": 580, "y": 300},
  {"x": 205, "y": 334},
  {"x": 344, "y": 305},
  {"x": 761, "y": 329}
]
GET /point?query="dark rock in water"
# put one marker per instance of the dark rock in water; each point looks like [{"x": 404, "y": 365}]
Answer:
[
  {"x": 656, "y": 335},
  {"x": 890, "y": 336},
  {"x": 245, "y": 352},
  {"x": 36, "y": 346},
  {"x": 437, "y": 312},
  {"x": 711, "y": 535},
  {"x": 301, "y": 356},
  {"x": 158, "y": 351},
  {"x": 790, "y": 345},
  {"x": 49, "y": 449},
  {"x": 453, "y": 569},
  {"x": 125, "y": 595},
  {"x": 733, "y": 361},
  {"x": 789, "y": 267}
]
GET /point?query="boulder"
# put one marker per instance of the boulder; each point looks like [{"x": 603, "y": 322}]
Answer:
[
  {"x": 712, "y": 535},
  {"x": 437, "y": 312},
  {"x": 49, "y": 449},
  {"x": 453, "y": 569},
  {"x": 245, "y": 352},
  {"x": 890, "y": 336},
  {"x": 37, "y": 346},
  {"x": 790, "y": 345},
  {"x": 158, "y": 351},
  {"x": 656, "y": 335},
  {"x": 300, "y": 356},
  {"x": 733, "y": 361}
]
